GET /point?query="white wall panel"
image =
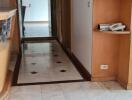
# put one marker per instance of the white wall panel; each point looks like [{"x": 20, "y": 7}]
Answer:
[{"x": 81, "y": 36}]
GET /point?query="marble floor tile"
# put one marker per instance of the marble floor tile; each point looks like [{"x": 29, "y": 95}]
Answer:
[
  {"x": 25, "y": 93},
  {"x": 52, "y": 92},
  {"x": 46, "y": 62},
  {"x": 72, "y": 91}
]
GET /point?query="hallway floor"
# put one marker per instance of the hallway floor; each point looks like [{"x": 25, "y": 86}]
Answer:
[
  {"x": 46, "y": 62},
  {"x": 72, "y": 91},
  {"x": 37, "y": 30}
]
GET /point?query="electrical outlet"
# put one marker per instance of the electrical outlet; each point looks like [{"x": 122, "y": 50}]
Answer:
[{"x": 104, "y": 67}]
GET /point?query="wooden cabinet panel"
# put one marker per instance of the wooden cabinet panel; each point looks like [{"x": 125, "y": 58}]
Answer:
[
  {"x": 4, "y": 57},
  {"x": 112, "y": 49}
]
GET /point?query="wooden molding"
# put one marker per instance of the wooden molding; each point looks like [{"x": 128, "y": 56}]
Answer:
[
  {"x": 17, "y": 67},
  {"x": 97, "y": 79},
  {"x": 80, "y": 68},
  {"x": 52, "y": 82},
  {"x": 37, "y": 39}
]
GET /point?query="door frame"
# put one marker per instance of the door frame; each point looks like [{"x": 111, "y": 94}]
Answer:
[{"x": 53, "y": 35}]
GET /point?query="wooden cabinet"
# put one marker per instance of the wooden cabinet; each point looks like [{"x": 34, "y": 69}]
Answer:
[
  {"x": 8, "y": 54},
  {"x": 112, "y": 48},
  {"x": 6, "y": 48}
]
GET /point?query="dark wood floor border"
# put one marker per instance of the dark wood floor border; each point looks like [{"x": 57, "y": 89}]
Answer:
[
  {"x": 37, "y": 39},
  {"x": 79, "y": 66},
  {"x": 53, "y": 82},
  {"x": 17, "y": 68}
]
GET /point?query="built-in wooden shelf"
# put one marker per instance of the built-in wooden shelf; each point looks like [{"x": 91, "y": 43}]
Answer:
[
  {"x": 6, "y": 13},
  {"x": 114, "y": 32}
]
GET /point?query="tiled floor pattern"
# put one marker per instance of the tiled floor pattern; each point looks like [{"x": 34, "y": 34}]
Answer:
[
  {"x": 37, "y": 30},
  {"x": 72, "y": 91},
  {"x": 46, "y": 62}
]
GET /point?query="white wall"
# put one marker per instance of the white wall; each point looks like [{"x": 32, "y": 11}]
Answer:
[
  {"x": 81, "y": 36},
  {"x": 38, "y": 11}
]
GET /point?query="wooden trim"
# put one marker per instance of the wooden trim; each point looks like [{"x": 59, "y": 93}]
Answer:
[
  {"x": 98, "y": 79},
  {"x": 36, "y": 22},
  {"x": 17, "y": 68},
  {"x": 86, "y": 75},
  {"x": 53, "y": 82},
  {"x": 37, "y": 39},
  {"x": 17, "y": 37}
]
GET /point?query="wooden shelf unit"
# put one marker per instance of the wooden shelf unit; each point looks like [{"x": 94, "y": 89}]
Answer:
[
  {"x": 8, "y": 8},
  {"x": 112, "y": 48},
  {"x": 5, "y": 54}
]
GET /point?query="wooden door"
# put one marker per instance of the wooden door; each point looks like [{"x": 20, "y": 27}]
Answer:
[
  {"x": 58, "y": 18},
  {"x": 61, "y": 21},
  {"x": 66, "y": 24}
]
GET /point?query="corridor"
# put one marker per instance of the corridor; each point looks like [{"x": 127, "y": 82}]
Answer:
[
  {"x": 66, "y": 50},
  {"x": 46, "y": 73},
  {"x": 46, "y": 62}
]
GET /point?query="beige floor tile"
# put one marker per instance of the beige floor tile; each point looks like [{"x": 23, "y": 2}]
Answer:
[
  {"x": 25, "y": 93},
  {"x": 52, "y": 92},
  {"x": 72, "y": 91}
]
